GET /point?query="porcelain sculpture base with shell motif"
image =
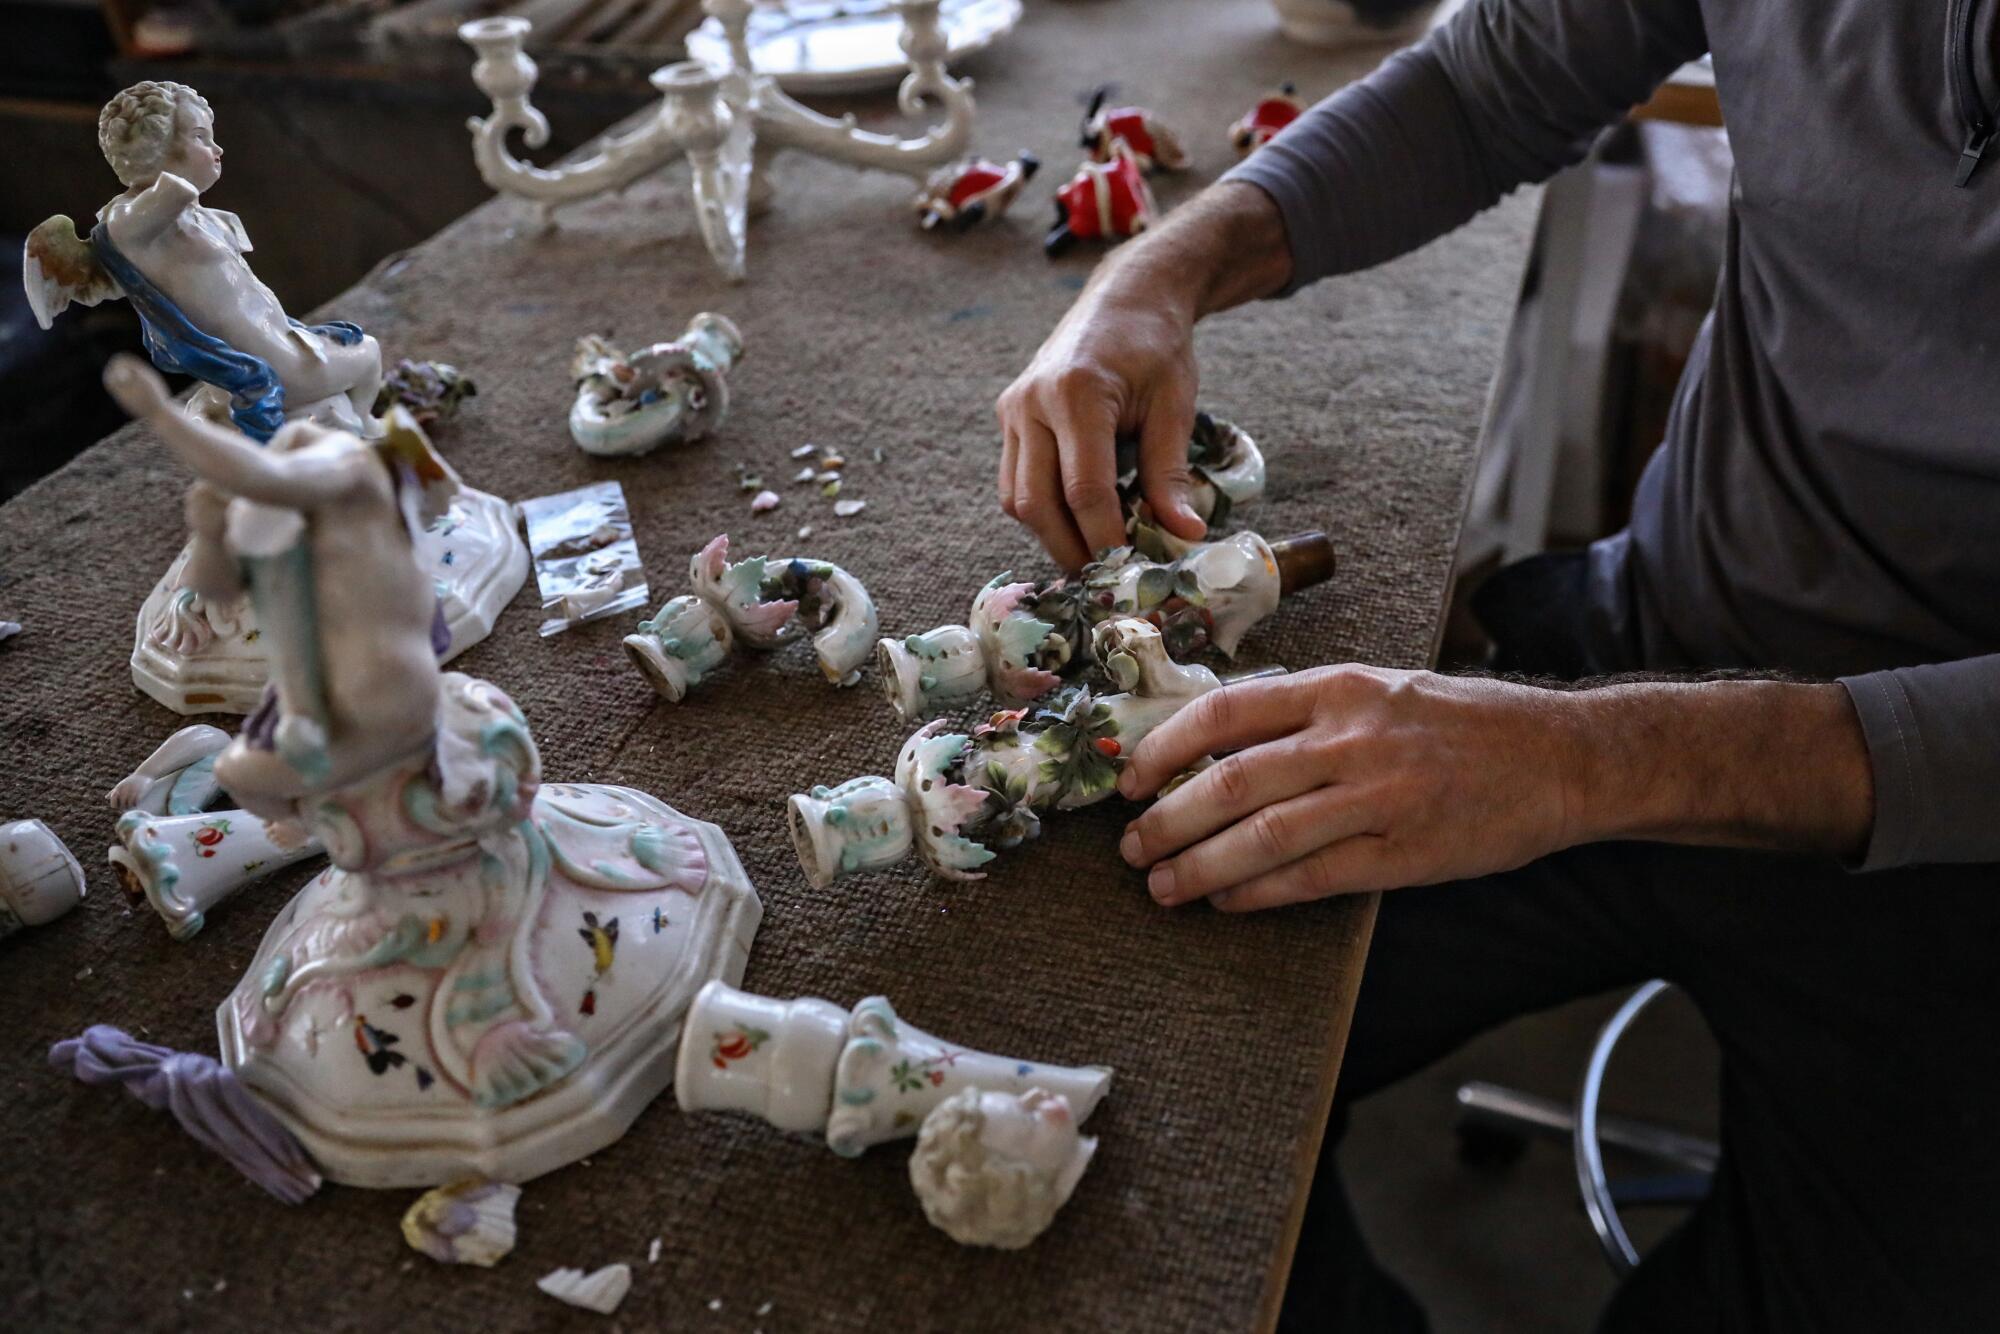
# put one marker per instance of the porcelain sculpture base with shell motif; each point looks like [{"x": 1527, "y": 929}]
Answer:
[
  {"x": 195, "y": 657},
  {"x": 492, "y": 996}
]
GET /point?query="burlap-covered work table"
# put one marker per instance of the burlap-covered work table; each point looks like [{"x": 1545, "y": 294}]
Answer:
[{"x": 863, "y": 336}]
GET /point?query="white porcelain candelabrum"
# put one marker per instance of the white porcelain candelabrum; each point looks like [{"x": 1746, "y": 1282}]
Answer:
[
  {"x": 490, "y": 979},
  {"x": 760, "y": 602},
  {"x": 954, "y": 793},
  {"x": 860, "y": 1077},
  {"x": 726, "y": 121},
  {"x": 1021, "y": 639}
]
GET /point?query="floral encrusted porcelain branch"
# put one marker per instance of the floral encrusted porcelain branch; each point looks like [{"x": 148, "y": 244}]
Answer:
[
  {"x": 954, "y": 793},
  {"x": 762, "y": 603},
  {"x": 860, "y": 1077},
  {"x": 1022, "y": 639}
]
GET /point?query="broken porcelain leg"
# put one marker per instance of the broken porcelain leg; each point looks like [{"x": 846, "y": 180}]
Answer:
[
  {"x": 863, "y": 1076},
  {"x": 992, "y": 1169},
  {"x": 667, "y": 394},
  {"x": 178, "y": 778},
  {"x": 185, "y": 865},
  {"x": 601, "y": 1291},
  {"x": 1022, "y": 639},
  {"x": 451, "y": 999},
  {"x": 961, "y": 792},
  {"x": 39, "y": 878},
  {"x": 762, "y": 603}
]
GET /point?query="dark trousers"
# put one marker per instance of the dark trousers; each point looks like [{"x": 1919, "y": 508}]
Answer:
[{"x": 1859, "y": 1187}]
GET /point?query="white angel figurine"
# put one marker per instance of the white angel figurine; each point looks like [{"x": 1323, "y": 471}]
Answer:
[{"x": 181, "y": 265}]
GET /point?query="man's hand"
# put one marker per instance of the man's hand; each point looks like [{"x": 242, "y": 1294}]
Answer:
[
  {"x": 1122, "y": 362},
  {"x": 1347, "y": 779}
]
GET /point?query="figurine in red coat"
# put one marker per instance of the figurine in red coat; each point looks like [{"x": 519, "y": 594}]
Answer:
[
  {"x": 1262, "y": 122},
  {"x": 973, "y": 190},
  {"x": 1154, "y": 146},
  {"x": 1104, "y": 201}
]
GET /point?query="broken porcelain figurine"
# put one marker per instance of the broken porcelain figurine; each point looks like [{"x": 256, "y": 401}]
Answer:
[
  {"x": 206, "y": 314},
  {"x": 760, "y": 602},
  {"x": 39, "y": 878},
  {"x": 972, "y": 191},
  {"x": 178, "y": 778},
  {"x": 727, "y": 122},
  {"x": 185, "y": 865},
  {"x": 1262, "y": 122},
  {"x": 179, "y": 853},
  {"x": 468, "y": 1222},
  {"x": 1104, "y": 201},
  {"x": 954, "y": 793},
  {"x": 862, "y": 1076},
  {"x": 431, "y": 391},
  {"x": 993, "y": 1169},
  {"x": 450, "y": 999},
  {"x": 601, "y": 1291},
  {"x": 666, "y": 394},
  {"x": 1022, "y": 639},
  {"x": 1153, "y": 146}
]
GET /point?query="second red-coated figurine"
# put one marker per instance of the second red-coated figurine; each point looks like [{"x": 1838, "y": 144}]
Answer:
[
  {"x": 1153, "y": 146},
  {"x": 1262, "y": 122},
  {"x": 1104, "y": 201}
]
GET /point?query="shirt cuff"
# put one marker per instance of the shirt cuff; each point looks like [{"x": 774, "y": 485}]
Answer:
[{"x": 1900, "y": 766}]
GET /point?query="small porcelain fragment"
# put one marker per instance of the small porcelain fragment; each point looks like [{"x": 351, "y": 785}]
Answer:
[
  {"x": 430, "y": 390},
  {"x": 8, "y": 629},
  {"x": 39, "y": 878},
  {"x": 992, "y": 1169},
  {"x": 805, "y": 474},
  {"x": 469, "y": 1222},
  {"x": 805, "y": 451},
  {"x": 1262, "y": 122},
  {"x": 669, "y": 393},
  {"x": 805, "y": 532},
  {"x": 600, "y": 1292},
  {"x": 862, "y": 1076},
  {"x": 764, "y": 501},
  {"x": 973, "y": 190},
  {"x": 1152, "y": 145},
  {"x": 653, "y": 1251},
  {"x": 847, "y": 509}
]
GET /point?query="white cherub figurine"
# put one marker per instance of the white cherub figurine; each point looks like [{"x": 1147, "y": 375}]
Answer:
[
  {"x": 181, "y": 265},
  {"x": 992, "y": 1169},
  {"x": 317, "y": 518}
]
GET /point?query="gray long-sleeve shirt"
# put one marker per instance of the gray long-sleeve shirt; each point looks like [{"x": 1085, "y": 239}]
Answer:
[{"x": 1827, "y": 499}]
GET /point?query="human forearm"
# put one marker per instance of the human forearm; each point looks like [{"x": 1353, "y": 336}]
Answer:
[
  {"x": 1226, "y": 247},
  {"x": 1762, "y": 764},
  {"x": 1505, "y": 92}
]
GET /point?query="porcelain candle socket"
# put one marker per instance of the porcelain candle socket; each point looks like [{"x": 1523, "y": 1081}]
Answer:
[
  {"x": 185, "y": 865},
  {"x": 862, "y": 1076},
  {"x": 39, "y": 878},
  {"x": 665, "y": 394}
]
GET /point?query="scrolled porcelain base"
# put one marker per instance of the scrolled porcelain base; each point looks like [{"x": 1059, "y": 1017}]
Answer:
[
  {"x": 197, "y": 657},
  {"x": 491, "y": 994},
  {"x": 862, "y": 1076}
]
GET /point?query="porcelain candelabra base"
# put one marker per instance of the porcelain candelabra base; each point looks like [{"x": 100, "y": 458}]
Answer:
[
  {"x": 498, "y": 1012},
  {"x": 194, "y": 657}
]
